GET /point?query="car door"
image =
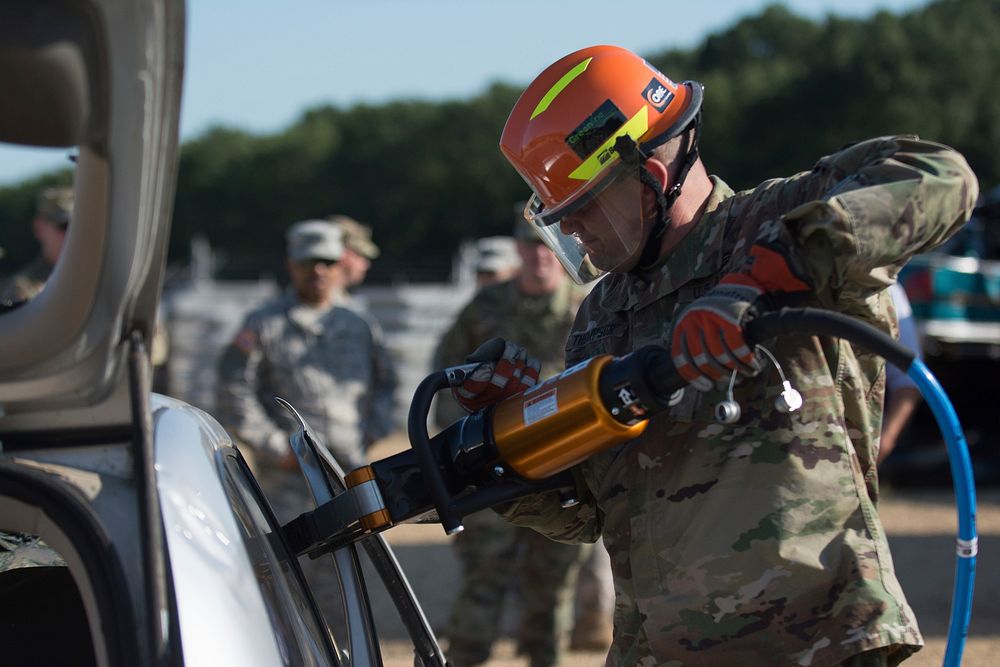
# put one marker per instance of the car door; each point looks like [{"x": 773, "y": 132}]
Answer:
[{"x": 100, "y": 80}]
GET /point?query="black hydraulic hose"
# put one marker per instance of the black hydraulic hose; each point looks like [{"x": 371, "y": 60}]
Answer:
[
  {"x": 509, "y": 490},
  {"x": 816, "y": 322},
  {"x": 664, "y": 379},
  {"x": 416, "y": 427}
]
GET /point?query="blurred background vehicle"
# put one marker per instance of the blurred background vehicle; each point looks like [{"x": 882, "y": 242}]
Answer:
[
  {"x": 955, "y": 291},
  {"x": 955, "y": 296}
]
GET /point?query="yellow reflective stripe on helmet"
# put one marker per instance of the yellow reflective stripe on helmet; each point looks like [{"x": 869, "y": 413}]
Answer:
[
  {"x": 635, "y": 127},
  {"x": 561, "y": 84}
]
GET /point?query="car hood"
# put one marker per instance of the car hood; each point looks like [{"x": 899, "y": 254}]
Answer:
[{"x": 103, "y": 76}]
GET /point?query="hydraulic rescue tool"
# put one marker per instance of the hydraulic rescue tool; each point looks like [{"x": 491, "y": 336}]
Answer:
[{"x": 527, "y": 442}]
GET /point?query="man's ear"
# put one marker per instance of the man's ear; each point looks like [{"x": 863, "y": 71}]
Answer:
[{"x": 659, "y": 172}]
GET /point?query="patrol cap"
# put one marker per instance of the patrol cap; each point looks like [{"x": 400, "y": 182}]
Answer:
[
  {"x": 56, "y": 205},
  {"x": 496, "y": 254},
  {"x": 523, "y": 231},
  {"x": 314, "y": 239},
  {"x": 357, "y": 236}
]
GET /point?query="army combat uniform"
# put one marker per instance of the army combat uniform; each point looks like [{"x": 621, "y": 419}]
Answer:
[
  {"x": 759, "y": 543},
  {"x": 328, "y": 363},
  {"x": 495, "y": 555}
]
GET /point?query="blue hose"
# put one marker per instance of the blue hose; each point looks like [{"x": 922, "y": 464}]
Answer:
[
  {"x": 811, "y": 321},
  {"x": 965, "y": 498}
]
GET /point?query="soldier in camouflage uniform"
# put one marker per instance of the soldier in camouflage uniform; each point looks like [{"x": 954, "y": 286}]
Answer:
[
  {"x": 53, "y": 213},
  {"x": 359, "y": 250},
  {"x": 757, "y": 542},
  {"x": 538, "y": 304},
  {"x": 325, "y": 359},
  {"x": 54, "y": 210},
  {"x": 497, "y": 260}
]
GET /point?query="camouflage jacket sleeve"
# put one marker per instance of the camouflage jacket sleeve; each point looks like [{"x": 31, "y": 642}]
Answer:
[
  {"x": 237, "y": 404},
  {"x": 382, "y": 419},
  {"x": 861, "y": 213},
  {"x": 544, "y": 513}
]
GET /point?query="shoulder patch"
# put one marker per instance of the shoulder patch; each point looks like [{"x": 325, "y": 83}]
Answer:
[{"x": 245, "y": 341}]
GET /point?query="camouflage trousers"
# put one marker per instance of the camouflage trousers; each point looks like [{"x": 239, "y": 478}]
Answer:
[{"x": 497, "y": 557}]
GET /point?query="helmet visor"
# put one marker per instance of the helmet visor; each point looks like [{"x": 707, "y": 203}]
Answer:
[{"x": 603, "y": 232}]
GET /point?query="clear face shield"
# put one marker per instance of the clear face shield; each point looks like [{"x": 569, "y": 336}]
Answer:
[{"x": 600, "y": 230}]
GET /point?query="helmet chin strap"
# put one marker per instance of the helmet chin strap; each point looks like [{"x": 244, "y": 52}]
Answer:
[{"x": 632, "y": 155}]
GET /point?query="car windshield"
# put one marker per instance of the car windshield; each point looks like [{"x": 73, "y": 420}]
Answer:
[{"x": 289, "y": 602}]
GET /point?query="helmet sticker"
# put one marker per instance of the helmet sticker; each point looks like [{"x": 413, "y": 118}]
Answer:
[
  {"x": 657, "y": 94},
  {"x": 595, "y": 129},
  {"x": 634, "y": 127},
  {"x": 657, "y": 72},
  {"x": 560, "y": 85}
]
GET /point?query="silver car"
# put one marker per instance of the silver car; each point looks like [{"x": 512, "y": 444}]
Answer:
[{"x": 132, "y": 532}]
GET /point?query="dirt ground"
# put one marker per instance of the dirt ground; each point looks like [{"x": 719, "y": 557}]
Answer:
[{"x": 921, "y": 525}]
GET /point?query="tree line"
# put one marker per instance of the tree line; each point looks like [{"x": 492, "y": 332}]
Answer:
[{"x": 781, "y": 90}]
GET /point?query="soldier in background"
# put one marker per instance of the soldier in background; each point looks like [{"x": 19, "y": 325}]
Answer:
[
  {"x": 497, "y": 260},
  {"x": 538, "y": 304},
  {"x": 326, "y": 359},
  {"x": 53, "y": 212},
  {"x": 359, "y": 250}
]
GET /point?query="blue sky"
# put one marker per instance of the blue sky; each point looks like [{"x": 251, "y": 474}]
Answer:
[{"x": 257, "y": 64}]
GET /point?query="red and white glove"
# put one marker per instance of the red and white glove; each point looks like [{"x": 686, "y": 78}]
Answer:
[
  {"x": 506, "y": 369},
  {"x": 707, "y": 343}
]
